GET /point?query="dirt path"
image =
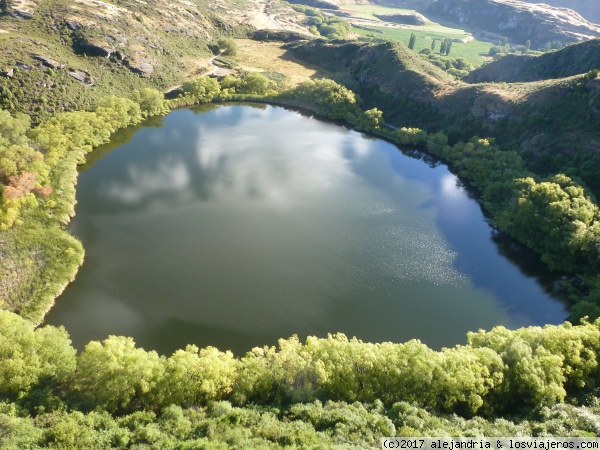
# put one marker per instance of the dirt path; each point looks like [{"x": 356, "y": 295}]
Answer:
[
  {"x": 216, "y": 70},
  {"x": 277, "y": 24}
]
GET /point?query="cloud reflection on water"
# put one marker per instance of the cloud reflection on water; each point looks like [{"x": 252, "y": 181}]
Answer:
[{"x": 254, "y": 220}]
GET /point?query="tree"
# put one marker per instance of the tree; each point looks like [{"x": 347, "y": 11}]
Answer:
[
  {"x": 328, "y": 98},
  {"x": 256, "y": 83},
  {"x": 443, "y": 47},
  {"x": 448, "y": 46},
  {"x": 412, "y": 41},
  {"x": 370, "y": 120},
  {"x": 152, "y": 102},
  {"x": 433, "y": 41},
  {"x": 28, "y": 356},
  {"x": 527, "y": 46},
  {"x": 204, "y": 88},
  {"x": 227, "y": 46},
  {"x": 117, "y": 376},
  {"x": 194, "y": 377},
  {"x": 118, "y": 112}
]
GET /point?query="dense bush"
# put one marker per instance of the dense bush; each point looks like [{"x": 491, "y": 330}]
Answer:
[
  {"x": 38, "y": 173},
  {"x": 331, "y": 27},
  {"x": 326, "y": 98},
  {"x": 459, "y": 67},
  {"x": 317, "y": 383},
  {"x": 253, "y": 83}
]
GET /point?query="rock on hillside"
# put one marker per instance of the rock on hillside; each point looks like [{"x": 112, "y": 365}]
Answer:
[
  {"x": 590, "y": 9},
  {"x": 143, "y": 37},
  {"x": 517, "y": 20},
  {"x": 18, "y": 9},
  {"x": 572, "y": 60}
]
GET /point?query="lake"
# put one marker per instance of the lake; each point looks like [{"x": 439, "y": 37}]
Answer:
[{"x": 236, "y": 225}]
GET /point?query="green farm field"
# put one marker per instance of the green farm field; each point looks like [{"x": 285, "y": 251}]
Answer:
[{"x": 472, "y": 51}]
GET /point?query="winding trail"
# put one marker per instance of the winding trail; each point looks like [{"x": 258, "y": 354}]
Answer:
[
  {"x": 277, "y": 24},
  {"x": 216, "y": 70}
]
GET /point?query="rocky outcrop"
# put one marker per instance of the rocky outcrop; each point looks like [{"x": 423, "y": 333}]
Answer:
[
  {"x": 140, "y": 65},
  {"x": 73, "y": 25},
  {"x": 22, "y": 66},
  {"x": 590, "y": 9},
  {"x": 517, "y": 20},
  {"x": 9, "y": 72},
  {"x": 405, "y": 19},
  {"x": 20, "y": 9},
  {"x": 82, "y": 76},
  {"x": 48, "y": 62},
  {"x": 92, "y": 48}
]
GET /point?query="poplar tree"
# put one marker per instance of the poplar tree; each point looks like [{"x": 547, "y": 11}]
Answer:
[
  {"x": 412, "y": 41},
  {"x": 448, "y": 46}
]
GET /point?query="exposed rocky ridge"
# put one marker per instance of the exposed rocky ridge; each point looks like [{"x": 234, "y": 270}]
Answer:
[
  {"x": 406, "y": 19},
  {"x": 572, "y": 60},
  {"x": 590, "y": 9},
  {"x": 409, "y": 4},
  {"x": 517, "y": 20}
]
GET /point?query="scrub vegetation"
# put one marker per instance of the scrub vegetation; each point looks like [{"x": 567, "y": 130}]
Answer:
[
  {"x": 323, "y": 393},
  {"x": 518, "y": 146}
]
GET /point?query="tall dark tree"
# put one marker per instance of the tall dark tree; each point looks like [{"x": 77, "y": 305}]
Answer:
[
  {"x": 433, "y": 41},
  {"x": 448, "y": 46},
  {"x": 443, "y": 47},
  {"x": 412, "y": 41}
]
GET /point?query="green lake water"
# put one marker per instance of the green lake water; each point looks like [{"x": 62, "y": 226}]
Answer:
[{"x": 236, "y": 225}]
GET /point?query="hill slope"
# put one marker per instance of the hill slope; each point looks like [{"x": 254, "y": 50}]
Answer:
[
  {"x": 590, "y": 9},
  {"x": 554, "y": 123},
  {"x": 90, "y": 47},
  {"x": 572, "y": 60},
  {"x": 518, "y": 21},
  {"x": 391, "y": 66}
]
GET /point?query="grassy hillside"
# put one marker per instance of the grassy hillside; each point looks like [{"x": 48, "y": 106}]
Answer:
[
  {"x": 392, "y": 66},
  {"x": 64, "y": 55},
  {"x": 575, "y": 59}
]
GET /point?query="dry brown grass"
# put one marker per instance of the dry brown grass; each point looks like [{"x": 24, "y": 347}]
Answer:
[{"x": 270, "y": 56}]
